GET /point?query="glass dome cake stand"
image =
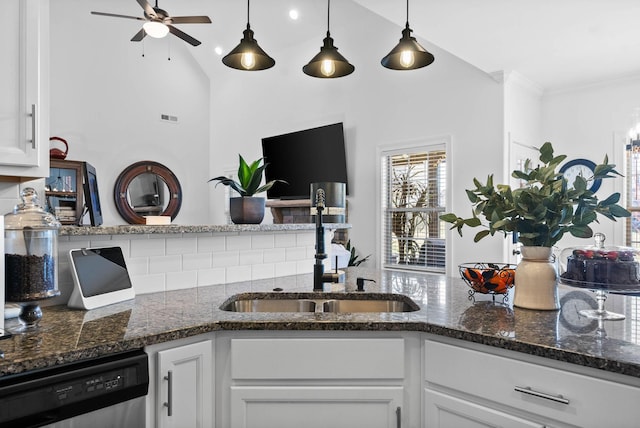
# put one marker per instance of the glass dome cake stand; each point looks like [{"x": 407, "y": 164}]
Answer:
[{"x": 603, "y": 270}]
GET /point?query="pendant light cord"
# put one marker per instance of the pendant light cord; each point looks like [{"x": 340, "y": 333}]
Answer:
[
  {"x": 328, "y": 9},
  {"x": 407, "y": 12},
  {"x": 248, "y": 12}
]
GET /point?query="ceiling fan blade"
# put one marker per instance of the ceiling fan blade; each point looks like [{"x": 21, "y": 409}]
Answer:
[
  {"x": 190, "y": 19},
  {"x": 139, "y": 35},
  {"x": 115, "y": 15},
  {"x": 184, "y": 36},
  {"x": 147, "y": 8}
]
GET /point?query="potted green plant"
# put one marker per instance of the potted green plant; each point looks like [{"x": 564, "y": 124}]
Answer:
[
  {"x": 540, "y": 213},
  {"x": 247, "y": 208}
]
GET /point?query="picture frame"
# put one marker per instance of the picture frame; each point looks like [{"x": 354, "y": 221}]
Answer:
[{"x": 91, "y": 194}]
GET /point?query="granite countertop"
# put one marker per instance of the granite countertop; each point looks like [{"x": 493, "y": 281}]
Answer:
[
  {"x": 66, "y": 335},
  {"x": 141, "y": 229}
]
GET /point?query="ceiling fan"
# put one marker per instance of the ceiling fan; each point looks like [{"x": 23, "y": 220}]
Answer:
[{"x": 159, "y": 23}]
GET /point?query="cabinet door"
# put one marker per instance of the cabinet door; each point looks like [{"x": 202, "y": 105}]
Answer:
[
  {"x": 185, "y": 393},
  {"x": 315, "y": 407},
  {"x": 24, "y": 102},
  {"x": 445, "y": 411}
]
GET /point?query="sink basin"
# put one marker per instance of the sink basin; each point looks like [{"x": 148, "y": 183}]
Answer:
[
  {"x": 310, "y": 302},
  {"x": 271, "y": 305},
  {"x": 350, "y": 306}
]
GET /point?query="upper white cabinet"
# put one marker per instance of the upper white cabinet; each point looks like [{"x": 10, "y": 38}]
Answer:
[{"x": 24, "y": 85}]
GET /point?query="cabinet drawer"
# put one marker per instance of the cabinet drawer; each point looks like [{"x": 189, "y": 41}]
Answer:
[
  {"x": 317, "y": 358},
  {"x": 592, "y": 402}
]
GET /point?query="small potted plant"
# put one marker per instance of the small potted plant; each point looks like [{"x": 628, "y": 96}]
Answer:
[
  {"x": 247, "y": 208},
  {"x": 540, "y": 213}
]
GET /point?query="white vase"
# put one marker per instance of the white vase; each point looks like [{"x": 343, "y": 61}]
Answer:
[{"x": 536, "y": 280}]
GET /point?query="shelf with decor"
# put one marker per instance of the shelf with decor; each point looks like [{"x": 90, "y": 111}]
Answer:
[{"x": 64, "y": 191}]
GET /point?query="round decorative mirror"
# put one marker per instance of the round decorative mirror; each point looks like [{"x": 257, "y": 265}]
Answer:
[{"x": 147, "y": 188}]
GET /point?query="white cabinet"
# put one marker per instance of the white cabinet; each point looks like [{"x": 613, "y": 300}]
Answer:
[
  {"x": 182, "y": 388},
  {"x": 527, "y": 390},
  {"x": 24, "y": 76},
  {"x": 337, "y": 380}
]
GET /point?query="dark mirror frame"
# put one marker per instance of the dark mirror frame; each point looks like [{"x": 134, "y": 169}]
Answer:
[{"x": 132, "y": 171}]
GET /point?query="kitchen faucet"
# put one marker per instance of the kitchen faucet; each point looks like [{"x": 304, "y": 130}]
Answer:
[{"x": 319, "y": 277}]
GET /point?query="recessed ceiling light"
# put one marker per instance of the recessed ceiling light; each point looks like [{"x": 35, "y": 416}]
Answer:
[
  {"x": 293, "y": 14},
  {"x": 218, "y": 50}
]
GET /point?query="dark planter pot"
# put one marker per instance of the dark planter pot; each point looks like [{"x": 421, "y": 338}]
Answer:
[{"x": 246, "y": 209}]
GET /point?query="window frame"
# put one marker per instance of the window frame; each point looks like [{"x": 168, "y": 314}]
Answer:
[{"x": 440, "y": 143}]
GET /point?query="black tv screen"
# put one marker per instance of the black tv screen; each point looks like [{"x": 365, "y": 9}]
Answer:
[{"x": 304, "y": 157}]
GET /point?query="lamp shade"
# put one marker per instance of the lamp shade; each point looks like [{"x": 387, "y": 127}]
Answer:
[
  {"x": 248, "y": 55},
  {"x": 328, "y": 63},
  {"x": 408, "y": 54}
]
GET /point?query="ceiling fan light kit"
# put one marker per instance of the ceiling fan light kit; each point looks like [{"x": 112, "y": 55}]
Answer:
[
  {"x": 248, "y": 55},
  {"x": 155, "y": 29}
]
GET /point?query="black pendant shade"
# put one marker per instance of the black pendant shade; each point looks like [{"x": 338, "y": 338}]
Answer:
[
  {"x": 329, "y": 63},
  {"x": 248, "y": 55},
  {"x": 408, "y": 54}
]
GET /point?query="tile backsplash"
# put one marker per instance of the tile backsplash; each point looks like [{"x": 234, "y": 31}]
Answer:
[{"x": 164, "y": 262}]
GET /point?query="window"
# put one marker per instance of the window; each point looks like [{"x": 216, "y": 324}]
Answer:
[
  {"x": 413, "y": 198},
  {"x": 633, "y": 193}
]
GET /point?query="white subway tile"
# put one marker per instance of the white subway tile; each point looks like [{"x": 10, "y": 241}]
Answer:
[
  {"x": 296, "y": 253},
  {"x": 263, "y": 241},
  {"x": 211, "y": 277},
  {"x": 274, "y": 255},
  {"x": 147, "y": 248},
  {"x": 182, "y": 245},
  {"x": 285, "y": 240},
  {"x": 238, "y": 273},
  {"x": 164, "y": 264},
  {"x": 143, "y": 284},
  {"x": 263, "y": 271},
  {"x": 181, "y": 280},
  {"x": 238, "y": 242},
  {"x": 304, "y": 267},
  {"x": 225, "y": 259},
  {"x": 196, "y": 261},
  {"x": 137, "y": 265},
  {"x": 285, "y": 269},
  {"x": 210, "y": 244},
  {"x": 251, "y": 257},
  {"x": 305, "y": 238}
]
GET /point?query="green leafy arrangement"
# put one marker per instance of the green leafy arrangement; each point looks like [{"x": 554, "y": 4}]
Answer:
[
  {"x": 544, "y": 209},
  {"x": 249, "y": 179},
  {"x": 354, "y": 257}
]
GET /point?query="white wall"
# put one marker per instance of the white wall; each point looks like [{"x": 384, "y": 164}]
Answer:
[
  {"x": 591, "y": 122},
  {"x": 378, "y": 106},
  {"x": 106, "y": 101}
]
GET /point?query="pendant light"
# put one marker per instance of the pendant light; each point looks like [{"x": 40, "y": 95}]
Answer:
[
  {"x": 408, "y": 54},
  {"x": 248, "y": 55},
  {"x": 328, "y": 63}
]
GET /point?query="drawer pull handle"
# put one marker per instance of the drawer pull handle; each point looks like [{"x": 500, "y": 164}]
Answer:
[
  {"x": 169, "y": 403},
  {"x": 398, "y": 417},
  {"x": 528, "y": 390}
]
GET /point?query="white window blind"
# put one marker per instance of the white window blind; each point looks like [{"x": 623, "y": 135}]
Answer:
[{"x": 413, "y": 198}]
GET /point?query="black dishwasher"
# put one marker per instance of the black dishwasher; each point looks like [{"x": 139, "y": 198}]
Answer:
[{"x": 107, "y": 392}]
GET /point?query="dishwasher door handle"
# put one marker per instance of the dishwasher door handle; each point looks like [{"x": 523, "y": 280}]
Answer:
[{"x": 169, "y": 403}]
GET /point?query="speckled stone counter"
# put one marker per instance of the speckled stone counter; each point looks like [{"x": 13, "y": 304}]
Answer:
[
  {"x": 176, "y": 228},
  {"x": 67, "y": 335}
]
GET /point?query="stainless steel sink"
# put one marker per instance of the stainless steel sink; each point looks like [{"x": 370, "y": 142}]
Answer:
[
  {"x": 311, "y": 302},
  {"x": 271, "y": 305}
]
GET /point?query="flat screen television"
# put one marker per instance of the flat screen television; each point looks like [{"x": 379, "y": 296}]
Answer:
[{"x": 304, "y": 157}]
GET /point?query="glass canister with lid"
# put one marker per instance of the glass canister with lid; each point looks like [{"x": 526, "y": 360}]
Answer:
[{"x": 31, "y": 251}]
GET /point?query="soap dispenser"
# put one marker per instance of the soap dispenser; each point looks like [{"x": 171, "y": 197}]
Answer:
[{"x": 30, "y": 257}]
